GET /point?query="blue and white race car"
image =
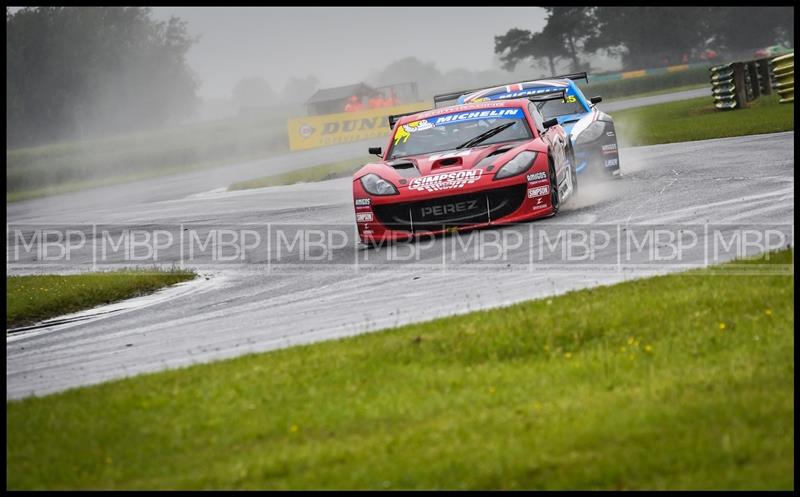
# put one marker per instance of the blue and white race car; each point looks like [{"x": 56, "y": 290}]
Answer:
[{"x": 591, "y": 131}]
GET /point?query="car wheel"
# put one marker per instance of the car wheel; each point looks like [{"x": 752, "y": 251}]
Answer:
[
  {"x": 573, "y": 171},
  {"x": 554, "y": 200}
]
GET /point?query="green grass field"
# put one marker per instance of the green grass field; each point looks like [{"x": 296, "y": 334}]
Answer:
[
  {"x": 684, "y": 381},
  {"x": 697, "y": 119},
  {"x": 321, "y": 172},
  {"x": 646, "y": 85},
  {"x": 37, "y": 297}
]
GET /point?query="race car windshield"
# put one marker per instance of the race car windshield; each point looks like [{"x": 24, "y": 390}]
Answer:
[
  {"x": 558, "y": 107},
  {"x": 449, "y": 131}
]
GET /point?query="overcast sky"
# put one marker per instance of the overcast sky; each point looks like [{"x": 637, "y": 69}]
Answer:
[{"x": 339, "y": 45}]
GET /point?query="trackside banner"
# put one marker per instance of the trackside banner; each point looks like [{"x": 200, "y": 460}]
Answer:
[{"x": 333, "y": 129}]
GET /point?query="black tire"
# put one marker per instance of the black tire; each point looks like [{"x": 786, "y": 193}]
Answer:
[
  {"x": 617, "y": 170},
  {"x": 573, "y": 171},
  {"x": 554, "y": 200}
]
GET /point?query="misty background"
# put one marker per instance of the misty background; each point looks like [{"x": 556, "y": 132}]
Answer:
[
  {"x": 84, "y": 72},
  {"x": 99, "y": 92}
]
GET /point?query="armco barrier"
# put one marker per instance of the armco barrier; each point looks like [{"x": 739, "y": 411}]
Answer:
[{"x": 783, "y": 71}]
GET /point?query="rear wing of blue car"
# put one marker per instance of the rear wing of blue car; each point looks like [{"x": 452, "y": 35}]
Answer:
[
  {"x": 560, "y": 94},
  {"x": 551, "y": 95},
  {"x": 451, "y": 96}
]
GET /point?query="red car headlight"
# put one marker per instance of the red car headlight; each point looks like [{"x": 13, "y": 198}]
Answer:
[
  {"x": 518, "y": 165},
  {"x": 375, "y": 185}
]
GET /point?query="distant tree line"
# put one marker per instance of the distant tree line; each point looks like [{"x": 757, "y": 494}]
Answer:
[
  {"x": 430, "y": 80},
  {"x": 75, "y": 73},
  {"x": 644, "y": 36}
]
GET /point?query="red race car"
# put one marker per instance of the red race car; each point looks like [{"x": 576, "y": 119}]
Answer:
[{"x": 465, "y": 167}]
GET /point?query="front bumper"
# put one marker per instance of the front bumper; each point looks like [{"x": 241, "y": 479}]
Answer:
[
  {"x": 436, "y": 214},
  {"x": 598, "y": 157}
]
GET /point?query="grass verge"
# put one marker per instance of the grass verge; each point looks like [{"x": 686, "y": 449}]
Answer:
[
  {"x": 33, "y": 298},
  {"x": 321, "y": 172},
  {"x": 679, "y": 381},
  {"x": 74, "y": 186},
  {"x": 653, "y": 93},
  {"x": 697, "y": 119}
]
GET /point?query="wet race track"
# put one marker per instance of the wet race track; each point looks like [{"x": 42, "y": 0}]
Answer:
[{"x": 271, "y": 295}]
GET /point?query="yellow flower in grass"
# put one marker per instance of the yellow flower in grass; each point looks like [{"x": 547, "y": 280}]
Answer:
[
  {"x": 648, "y": 348},
  {"x": 294, "y": 429},
  {"x": 768, "y": 312},
  {"x": 568, "y": 355},
  {"x": 722, "y": 326}
]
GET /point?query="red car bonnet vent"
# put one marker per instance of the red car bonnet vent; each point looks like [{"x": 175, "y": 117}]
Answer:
[
  {"x": 406, "y": 169},
  {"x": 448, "y": 162}
]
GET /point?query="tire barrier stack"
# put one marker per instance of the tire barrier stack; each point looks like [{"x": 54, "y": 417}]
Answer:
[
  {"x": 783, "y": 71},
  {"x": 736, "y": 84},
  {"x": 758, "y": 80},
  {"x": 727, "y": 86}
]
